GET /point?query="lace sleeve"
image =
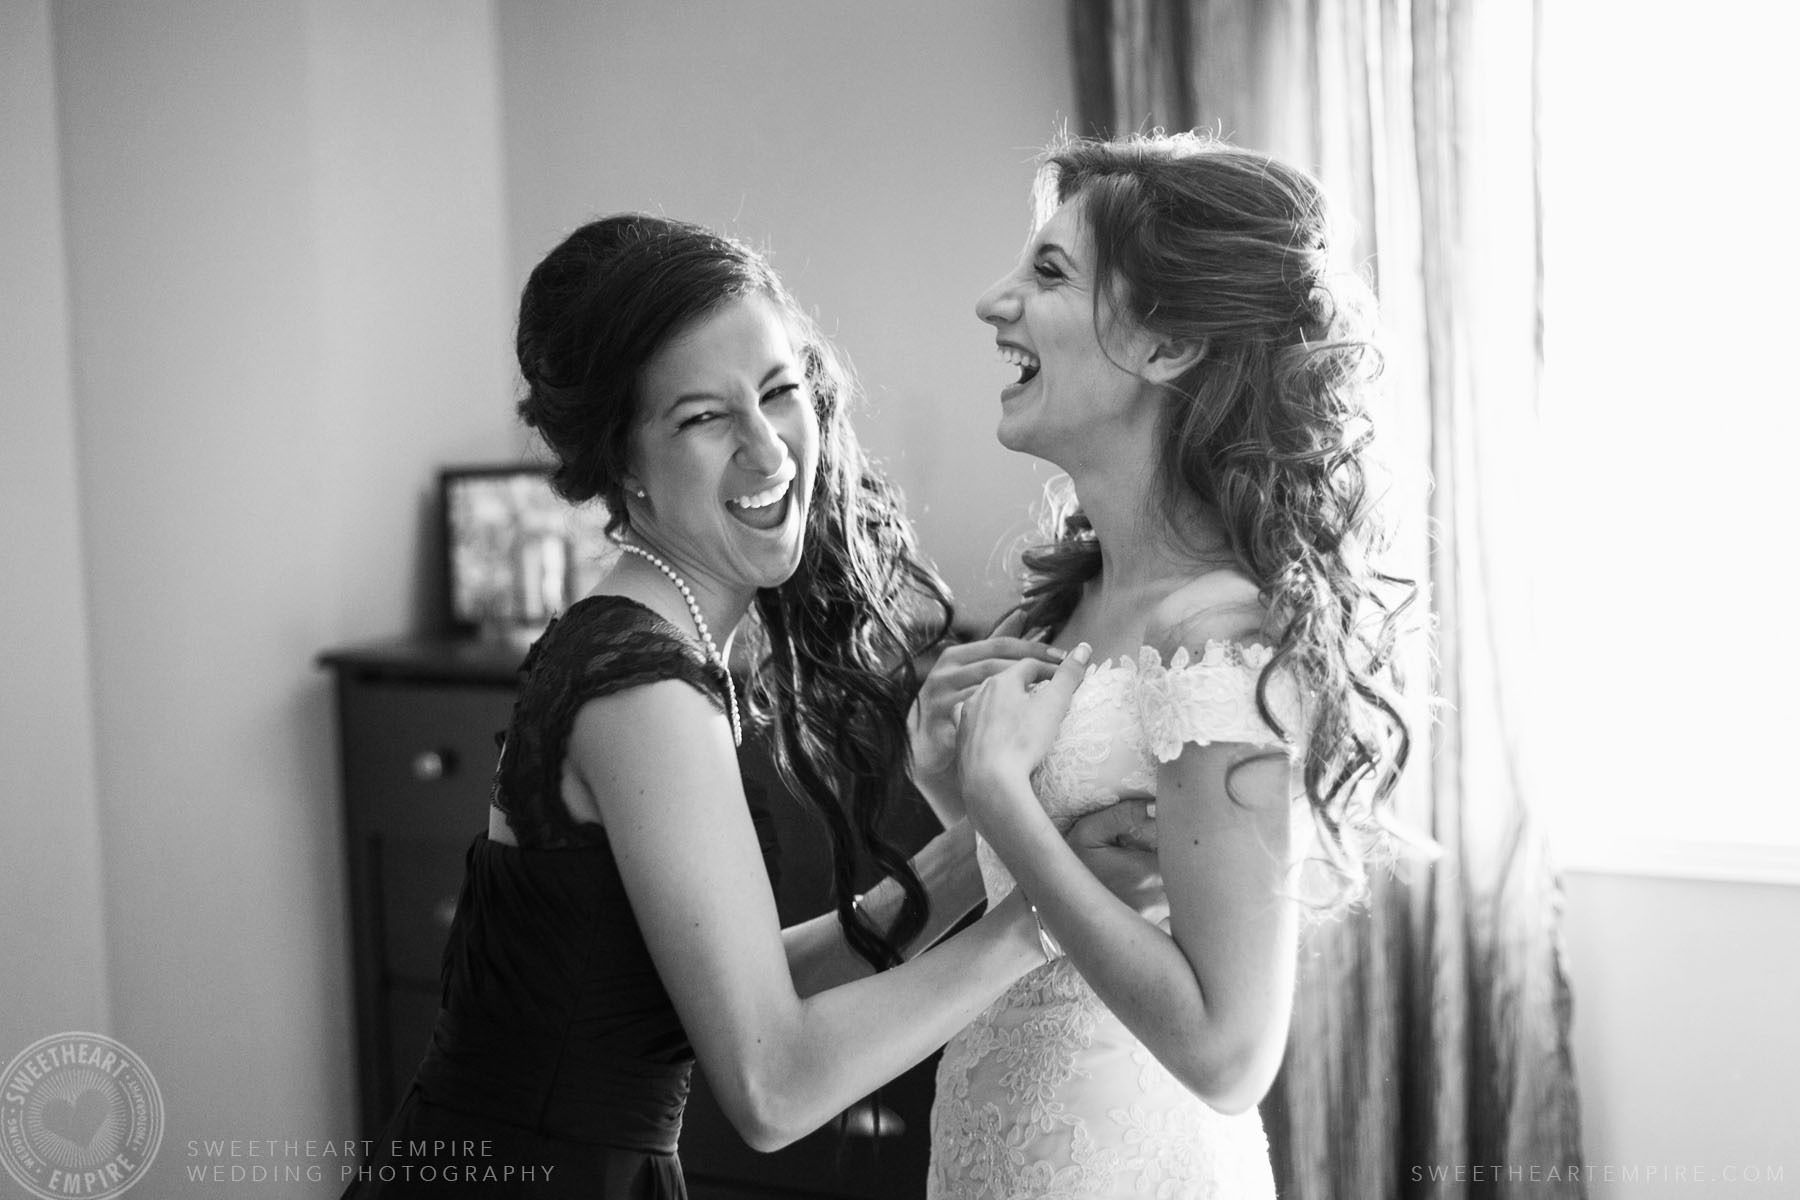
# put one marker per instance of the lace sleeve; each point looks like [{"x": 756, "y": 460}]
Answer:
[
  {"x": 1211, "y": 698},
  {"x": 601, "y": 646}
]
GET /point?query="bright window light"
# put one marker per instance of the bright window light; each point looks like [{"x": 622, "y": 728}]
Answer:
[{"x": 1665, "y": 596}]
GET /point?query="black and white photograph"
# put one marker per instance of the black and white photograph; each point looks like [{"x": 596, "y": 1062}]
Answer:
[{"x": 897, "y": 600}]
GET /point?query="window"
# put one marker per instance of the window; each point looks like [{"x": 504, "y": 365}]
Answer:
[{"x": 1666, "y": 603}]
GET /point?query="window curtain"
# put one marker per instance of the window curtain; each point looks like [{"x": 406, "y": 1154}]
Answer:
[{"x": 1430, "y": 1051}]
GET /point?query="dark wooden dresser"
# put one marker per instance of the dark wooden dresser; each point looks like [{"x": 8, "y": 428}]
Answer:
[{"x": 417, "y": 721}]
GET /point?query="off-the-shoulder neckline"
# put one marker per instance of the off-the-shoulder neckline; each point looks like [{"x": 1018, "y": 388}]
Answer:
[{"x": 1191, "y": 661}]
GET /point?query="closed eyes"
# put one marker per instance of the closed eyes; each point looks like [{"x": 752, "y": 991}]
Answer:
[{"x": 707, "y": 416}]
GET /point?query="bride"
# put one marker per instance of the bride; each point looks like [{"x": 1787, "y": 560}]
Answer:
[{"x": 1190, "y": 359}]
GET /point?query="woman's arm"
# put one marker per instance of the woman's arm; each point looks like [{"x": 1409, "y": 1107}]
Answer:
[
  {"x": 1211, "y": 999},
  {"x": 659, "y": 763},
  {"x": 819, "y": 957},
  {"x": 1118, "y": 845}
]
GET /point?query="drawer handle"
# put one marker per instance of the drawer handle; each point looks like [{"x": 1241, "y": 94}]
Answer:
[
  {"x": 867, "y": 1119},
  {"x": 429, "y": 766},
  {"x": 444, "y": 911}
]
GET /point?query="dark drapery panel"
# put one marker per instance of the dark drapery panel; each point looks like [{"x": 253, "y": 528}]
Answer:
[
  {"x": 1132, "y": 58},
  {"x": 1430, "y": 1042}
]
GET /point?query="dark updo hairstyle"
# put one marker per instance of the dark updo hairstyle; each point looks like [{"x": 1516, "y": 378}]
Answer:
[
  {"x": 838, "y": 640},
  {"x": 1202, "y": 242}
]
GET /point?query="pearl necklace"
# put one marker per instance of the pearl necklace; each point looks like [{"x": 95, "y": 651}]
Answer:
[{"x": 713, "y": 657}]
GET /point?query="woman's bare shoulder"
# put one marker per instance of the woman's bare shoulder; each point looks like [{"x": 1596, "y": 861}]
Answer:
[{"x": 1225, "y": 605}]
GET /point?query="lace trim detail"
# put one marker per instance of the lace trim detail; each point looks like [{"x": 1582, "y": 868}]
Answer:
[
  {"x": 602, "y": 645},
  {"x": 981, "y": 1150},
  {"x": 1211, "y": 698},
  {"x": 1046, "y": 1095},
  {"x": 1035, "y": 1101},
  {"x": 1145, "y": 711},
  {"x": 1071, "y": 771}
]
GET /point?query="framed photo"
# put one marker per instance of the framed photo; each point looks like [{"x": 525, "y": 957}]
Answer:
[{"x": 515, "y": 553}]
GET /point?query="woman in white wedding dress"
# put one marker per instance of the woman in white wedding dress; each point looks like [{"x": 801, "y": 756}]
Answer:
[{"x": 1192, "y": 360}]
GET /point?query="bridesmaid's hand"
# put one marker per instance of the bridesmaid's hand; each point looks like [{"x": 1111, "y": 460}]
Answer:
[
  {"x": 1118, "y": 844},
  {"x": 1007, "y": 727},
  {"x": 959, "y": 670}
]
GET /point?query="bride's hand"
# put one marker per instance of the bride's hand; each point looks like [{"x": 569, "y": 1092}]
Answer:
[
  {"x": 1007, "y": 727},
  {"x": 958, "y": 671}
]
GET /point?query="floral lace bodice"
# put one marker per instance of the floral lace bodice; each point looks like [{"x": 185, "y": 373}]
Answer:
[{"x": 1047, "y": 1095}]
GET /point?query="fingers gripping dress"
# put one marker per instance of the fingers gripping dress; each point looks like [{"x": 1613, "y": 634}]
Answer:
[{"x": 1047, "y": 1095}]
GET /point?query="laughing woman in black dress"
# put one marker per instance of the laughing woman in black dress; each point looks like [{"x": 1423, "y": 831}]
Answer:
[{"x": 616, "y": 920}]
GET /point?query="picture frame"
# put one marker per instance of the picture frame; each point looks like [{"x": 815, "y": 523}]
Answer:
[{"x": 515, "y": 553}]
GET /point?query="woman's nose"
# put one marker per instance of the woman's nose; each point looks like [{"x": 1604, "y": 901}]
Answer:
[
  {"x": 760, "y": 447},
  {"x": 1000, "y": 303}
]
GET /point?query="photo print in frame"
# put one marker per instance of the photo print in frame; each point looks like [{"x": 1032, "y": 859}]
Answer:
[{"x": 515, "y": 553}]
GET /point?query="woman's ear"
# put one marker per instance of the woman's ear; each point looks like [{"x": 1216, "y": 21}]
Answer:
[{"x": 1170, "y": 359}]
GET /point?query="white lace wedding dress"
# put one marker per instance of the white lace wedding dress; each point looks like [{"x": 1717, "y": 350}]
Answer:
[{"x": 1047, "y": 1095}]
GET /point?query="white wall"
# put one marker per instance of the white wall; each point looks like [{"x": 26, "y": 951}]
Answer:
[
  {"x": 882, "y": 152},
  {"x": 1687, "y": 1044},
  {"x": 289, "y": 308},
  {"x": 54, "y": 977}
]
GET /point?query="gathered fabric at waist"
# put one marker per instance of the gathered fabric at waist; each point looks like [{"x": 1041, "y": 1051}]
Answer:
[{"x": 588, "y": 1094}]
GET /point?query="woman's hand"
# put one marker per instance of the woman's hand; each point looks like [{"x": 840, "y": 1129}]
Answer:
[
  {"x": 958, "y": 671},
  {"x": 1118, "y": 844},
  {"x": 1006, "y": 728}
]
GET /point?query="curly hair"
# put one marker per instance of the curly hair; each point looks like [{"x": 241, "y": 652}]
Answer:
[
  {"x": 1204, "y": 242},
  {"x": 838, "y": 640}
]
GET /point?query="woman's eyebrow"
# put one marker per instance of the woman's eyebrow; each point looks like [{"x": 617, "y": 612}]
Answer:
[{"x": 693, "y": 397}]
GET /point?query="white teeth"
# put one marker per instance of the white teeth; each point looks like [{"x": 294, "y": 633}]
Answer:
[
  {"x": 765, "y": 497},
  {"x": 1024, "y": 360}
]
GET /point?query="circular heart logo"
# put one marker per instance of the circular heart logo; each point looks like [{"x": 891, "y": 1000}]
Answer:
[
  {"x": 78, "y": 1122},
  {"x": 80, "y": 1115}
]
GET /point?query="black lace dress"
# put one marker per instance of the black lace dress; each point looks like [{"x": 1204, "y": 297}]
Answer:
[{"x": 558, "y": 1066}]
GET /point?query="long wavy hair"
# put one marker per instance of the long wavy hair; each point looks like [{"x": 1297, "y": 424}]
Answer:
[
  {"x": 837, "y": 641},
  {"x": 1200, "y": 241}
]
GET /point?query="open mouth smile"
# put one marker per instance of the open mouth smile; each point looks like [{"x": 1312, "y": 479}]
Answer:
[
  {"x": 765, "y": 497},
  {"x": 1021, "y": 358},
  {"x": 768, "y": 508}
]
